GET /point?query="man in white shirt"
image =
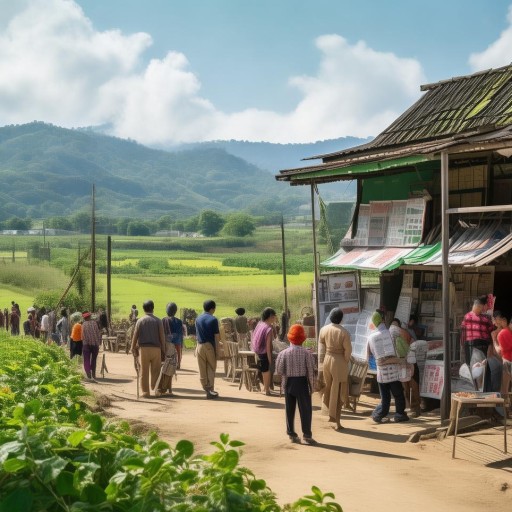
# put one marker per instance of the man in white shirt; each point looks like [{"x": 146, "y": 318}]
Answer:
[{"x": 45, "y": 327}]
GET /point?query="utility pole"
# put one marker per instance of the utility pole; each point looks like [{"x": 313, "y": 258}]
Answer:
[
  {"x": 93, "y": 253},
  {"x": 109, "y": 276},
  {"x": 283, "y": 248}
]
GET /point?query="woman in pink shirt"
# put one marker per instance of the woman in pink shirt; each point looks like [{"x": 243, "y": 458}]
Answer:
[{"x": 261, "y": 343}]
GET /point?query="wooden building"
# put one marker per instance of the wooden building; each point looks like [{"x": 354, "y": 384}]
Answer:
[{"x": 434, "y": 202}]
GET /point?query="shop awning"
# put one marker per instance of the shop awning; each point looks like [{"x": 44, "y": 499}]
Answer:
[
  {"x": 387, "y": 258},
  {"x": 476, "y": 246},
  {"x": 422, "y": 254},
  {"x": 469, "y": 246}
]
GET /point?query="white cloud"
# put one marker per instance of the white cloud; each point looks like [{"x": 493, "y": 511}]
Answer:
[
  {"x": 357, "y": 91},
  {"x": 497, "y": 54},
  {"x": 55, "y": 67}
]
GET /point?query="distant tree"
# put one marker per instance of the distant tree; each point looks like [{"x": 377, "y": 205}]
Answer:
[
  {"x": 82, "y": 222},
  {"x": 192, "y": 224},
  {"x": 122, "y": 226},
  {"x": 138, "y": 228},
  {"x": 270, "y": 219},
  {"x": 59, "y": 223},
  {"x": 164, "y": 222},
  {"x": 239, "y": 224},
  {"x": 106, "y": 225},
  {"x": 18, "y": 223},
  {"x": 179, "y": 225},
  {"x": 210, "y": 222}
]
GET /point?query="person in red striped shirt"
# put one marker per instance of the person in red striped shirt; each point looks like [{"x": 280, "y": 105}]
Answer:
[{"x": 476, "y": 329}]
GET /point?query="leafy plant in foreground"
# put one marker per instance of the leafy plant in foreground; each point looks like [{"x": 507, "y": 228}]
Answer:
[{"x": 55, "y": 455}]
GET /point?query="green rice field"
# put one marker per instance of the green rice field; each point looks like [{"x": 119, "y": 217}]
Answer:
[{"x": 250, "y": 278}]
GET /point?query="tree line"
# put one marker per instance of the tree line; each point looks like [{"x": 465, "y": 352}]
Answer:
[{"x": 207, "y": 223}]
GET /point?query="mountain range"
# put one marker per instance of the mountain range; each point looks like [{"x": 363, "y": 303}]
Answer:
[{"x": 47, "y": 171}]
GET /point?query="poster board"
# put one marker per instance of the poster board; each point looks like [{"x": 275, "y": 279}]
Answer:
[
  {"x": 432, "y": 383},
  {"x": 360, "y": 340},
  {"x": 340, "y": 290},
  {"x": 403, "y": 308}
]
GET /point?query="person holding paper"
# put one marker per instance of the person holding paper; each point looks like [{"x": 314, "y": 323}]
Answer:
[{"x": 381, "y": 345}]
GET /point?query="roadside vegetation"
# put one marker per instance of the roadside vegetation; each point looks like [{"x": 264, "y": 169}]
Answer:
[{"x": 56, "y": 454}]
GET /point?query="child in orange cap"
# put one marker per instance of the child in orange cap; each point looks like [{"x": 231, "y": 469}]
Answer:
[{"x": 296, "y": 367}]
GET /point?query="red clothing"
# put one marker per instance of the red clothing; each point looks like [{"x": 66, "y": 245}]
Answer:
[
  {"x": 477, "y": 327},
  {"x": 505, "y": 341}
]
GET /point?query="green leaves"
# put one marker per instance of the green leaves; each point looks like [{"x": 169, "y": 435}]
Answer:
[
  {"x": 76, "y": 437},
  {"x": 56, "y": 455},
  {"x": 49, "y": 469},
  {"x": 13, "y": 465},
  {"x": 19, "y": 500},
  {"x": 316, "y": 502}
]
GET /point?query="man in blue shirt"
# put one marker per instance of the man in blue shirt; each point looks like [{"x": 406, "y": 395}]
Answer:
[{"x": 207, "y": 332}]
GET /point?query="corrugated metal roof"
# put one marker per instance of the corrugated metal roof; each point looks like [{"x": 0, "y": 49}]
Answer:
[
  {"x": 472, "y": 112},
  {"x": 482, "y": 101}
]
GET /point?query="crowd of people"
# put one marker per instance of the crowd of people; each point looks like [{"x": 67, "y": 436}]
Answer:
[{"x": 157, "y": 348}]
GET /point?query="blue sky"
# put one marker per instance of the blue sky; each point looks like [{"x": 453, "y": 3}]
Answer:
[{"x": 166, "y": 71}]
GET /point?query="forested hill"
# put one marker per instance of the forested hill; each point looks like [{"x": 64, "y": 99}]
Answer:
[
  {"x": 274, "y": 157},
  {"x": 47, "y": 171}
]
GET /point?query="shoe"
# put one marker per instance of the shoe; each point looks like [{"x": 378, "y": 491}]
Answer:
[
  {"x": 378, "y": 419},
  {"x": 214, "y": 393},
  {"x": 92, "y": 379},
  {"x": 310, "y": 441},
  {"x": 158, "y": 393},
  {"x": 295, "y": 439},
  {"x": 401, "y": 418},
  {"x": 211, "y": 395},
  {"x": 145, "y": 395}
]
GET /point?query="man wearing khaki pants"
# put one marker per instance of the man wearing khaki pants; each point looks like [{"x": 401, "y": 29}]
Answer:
[
  {"x": 207, "y": 331},
  {"x": 148, "y": 338}
]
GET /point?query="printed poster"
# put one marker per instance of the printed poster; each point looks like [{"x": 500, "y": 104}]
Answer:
[{"x": 432, "y": 383}]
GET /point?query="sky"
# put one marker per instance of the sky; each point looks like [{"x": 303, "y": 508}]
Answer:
[{"x": 162, "y": 72}]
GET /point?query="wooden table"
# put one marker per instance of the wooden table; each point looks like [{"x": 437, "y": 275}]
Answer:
[{"x": 479, "y": 401}]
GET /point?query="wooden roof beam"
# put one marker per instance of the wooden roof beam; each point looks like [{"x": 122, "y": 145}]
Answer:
[{"x": 481, "y": 209}]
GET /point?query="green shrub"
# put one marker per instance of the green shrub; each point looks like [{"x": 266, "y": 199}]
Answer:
[
  {"x": 56, "y": 455},
  {"x": 50, "y": 299}
]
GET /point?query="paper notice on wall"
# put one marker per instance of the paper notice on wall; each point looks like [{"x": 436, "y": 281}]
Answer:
[
  {"x": 360, "y": 340},
  {"x": 403, "y": 308},
  {"x": 432, "y": 382}
]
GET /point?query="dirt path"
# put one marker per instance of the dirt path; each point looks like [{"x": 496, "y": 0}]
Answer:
[{"x": 366, "y": 465}]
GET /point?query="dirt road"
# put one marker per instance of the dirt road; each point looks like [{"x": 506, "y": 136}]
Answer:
[{"x": 366, "y": 465}]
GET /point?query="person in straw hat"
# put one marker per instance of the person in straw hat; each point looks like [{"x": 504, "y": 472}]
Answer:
[{"x": 296, "y": 366}]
